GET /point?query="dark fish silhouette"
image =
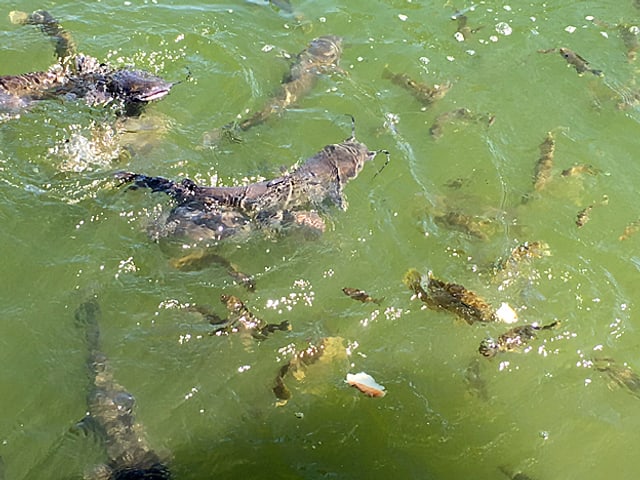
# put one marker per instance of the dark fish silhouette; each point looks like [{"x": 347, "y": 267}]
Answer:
[{"x": 110, "y": 413}]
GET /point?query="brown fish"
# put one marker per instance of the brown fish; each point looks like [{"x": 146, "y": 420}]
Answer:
[
  {"x": 524, "y": 252},
  {"x": 458, "y": 115},
  {"x": 475, "y": 226},
  {"x": 512, "y": 340},
  {"x": 451, "y": 297},
  {"x": 575, "y": 60},
  {"x": 321, "y": 55},
  {"x": 620, "y": 375},
  {"x": 580, "y": 170},
  {"x": 425, "y": 94},
  {"x": 360, "y": 295},
  {"x": 241, "y": 318},
  {"x": 542, "y": 173},
  {"x": 326, "y": 349},
  {"x": 630, "y": 230}
]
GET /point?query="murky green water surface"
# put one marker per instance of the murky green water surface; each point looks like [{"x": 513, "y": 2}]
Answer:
[{"x": 206, "y": 402}]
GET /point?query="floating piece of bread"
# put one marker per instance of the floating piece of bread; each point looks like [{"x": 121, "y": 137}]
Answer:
[{"x": 366, "y": 384}]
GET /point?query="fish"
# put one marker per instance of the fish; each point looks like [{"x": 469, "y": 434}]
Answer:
[
  {"x": 583, "y": 216},
  {"x": 514, "y": 475},
  {"x": 472, "y": 225},
  {"x": 79, "y": 76},
  {"x": 459, "y": 114},
  {"x": 620, "y": 375},
  {"x": 524, "y": 252},
  {"x": 463, "y": 31},
  {"x": 321, "y": 55},
  {"x": 579, "y": 170},
  {"x": 65, "y": 45},
  {"x": 542, "y": 172},
  {"x": 271, "y": 206},
  {"x": 630, "y": 230},
  {"x": 575, "y": 60},
  {"x": 451, "y": 297},
  {"x": 110, "y": 412},
  {"x": 200, "y": 258},
  {"x": 240, "y": 318},
  {"x": 425, "y": 94},
  {"x": 512, "y": 340},
  {"x": 360, "y": 295}
]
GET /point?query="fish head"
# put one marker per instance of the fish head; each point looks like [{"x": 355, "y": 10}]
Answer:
[
  {"x": 350, "y": 159},
  {"x": 488, "y": 347},
  {"x": 326, "y": 50},
  {"x": 137, "y": 86}
]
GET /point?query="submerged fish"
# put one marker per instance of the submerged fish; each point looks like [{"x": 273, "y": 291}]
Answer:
[
  {"x": 110, "y": 412},
  {"x": 459, "y": 114},
  {"x": 525, "y": 251},
  {"x": 512, "y": 340},
  {"x": 620, "y": 375},
  {"x": 579, "y": 170},
  {"x": 542, "y": 173},
  {"x": 514, "y": 475},
  {"x": 326, "y": 349},
  {"x": 425, "y": 94},
  {"x": 322, "y": 55},
  {"x": 451, "y": 297},
  {"x": 360, "y": 295},
  {"x": 575, "y": 60},
  {"x": 475, "y": 226},
  {"x": 241, "y": 318},
  {"x": 630, "y": 230}
]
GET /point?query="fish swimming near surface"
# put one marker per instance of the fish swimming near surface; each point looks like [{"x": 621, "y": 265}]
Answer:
[
  {"x": 451, "y": 297},
  {"x": 575, "y": 60},
  {"x": 273, "y": 206},
  {"x": 425, "y": 94},
  {"x": 512, "y": 340},
  {"x": 361, "y": 295},
  {"x": 78, "y": 76},
  {"x": 321, "y": 55},
  {"x": 110, "y": 413}
]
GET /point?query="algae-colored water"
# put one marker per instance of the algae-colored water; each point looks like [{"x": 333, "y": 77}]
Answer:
[{"x": 69, "y": 231}]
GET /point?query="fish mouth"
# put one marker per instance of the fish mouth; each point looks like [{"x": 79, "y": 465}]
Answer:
[{"x": 154, "y": 95}]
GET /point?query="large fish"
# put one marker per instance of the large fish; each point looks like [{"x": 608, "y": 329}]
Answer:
[
  {"x": 78, "y": 76},
  {"x": 110, "y": 412},
  {"x": 292, "y": 200}
]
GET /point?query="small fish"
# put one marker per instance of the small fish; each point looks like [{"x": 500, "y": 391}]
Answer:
[
  {"x": 621, "y": 375},
  {"x": 474, "y": 226},
  {"x": 525, "y": 251},
  {"x": 512, "y": 340},
  {"x": 451, "y": 297},
  {"x": 542, "y": 172},
  {"x": 579, "y": 170},
  {"x": 460, "y": 114},
  {"x": 326, "y": 349},
  {"x": 241, "y": 318},
  {"x": 584, "y": 214},
  {"x": 630, "y": 230},
  {"x": 361, "y": 295},
  {"x": 424, "y": 93},
  {"x": 575, "y": 60},
  {"x": 476, "y": 385},
  {"x": 201, "y": 258},
  {"x": 463, "y": 31}
]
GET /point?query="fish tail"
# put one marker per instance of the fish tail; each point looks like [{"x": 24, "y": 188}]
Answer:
[
  {"x": 597, "y": 73},
  {"x": 156, "y": 184}
]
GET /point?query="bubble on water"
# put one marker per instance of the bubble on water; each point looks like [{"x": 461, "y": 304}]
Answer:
[
  {"x": 570, "y": 29},
  {"x": 503, "y": 28},
  {"x": 402, "y": 17}
]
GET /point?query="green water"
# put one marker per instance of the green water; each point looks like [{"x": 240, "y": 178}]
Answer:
[{"x": 206, "y": 402}]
